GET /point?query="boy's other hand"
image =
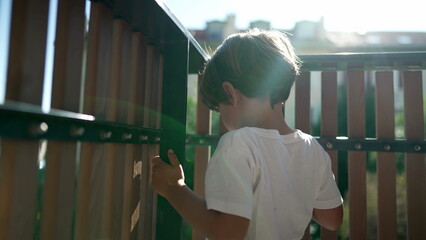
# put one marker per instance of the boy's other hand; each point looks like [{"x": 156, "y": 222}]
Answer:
[{"x": 165, "y": 176}]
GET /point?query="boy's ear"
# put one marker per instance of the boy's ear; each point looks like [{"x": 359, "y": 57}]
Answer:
[{"x": 231, "y": 92}]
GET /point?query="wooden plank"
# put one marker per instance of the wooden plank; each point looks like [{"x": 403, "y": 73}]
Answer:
[
  {"x": 415, "y": 168},
  {"x": 303, "y": 102},
  {"x": 357, "y": 159},
  {"x": 58, "y": 193},
  {"x": 117, "y": 112},
  {"x": 19, "y": 159},
  {"x": 329, "y": 126},
  {"x": 303, "y": 113},
  {"x": 139, "y": 47},
  {"x": 202, "y": 153},
  {"x": 386, "y": 175},
  {"x": 146, "y": 209},
  {"x": 90, "y": 221}
]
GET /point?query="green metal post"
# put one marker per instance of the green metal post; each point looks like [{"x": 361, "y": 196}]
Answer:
[{"x": 173, "y": 124}]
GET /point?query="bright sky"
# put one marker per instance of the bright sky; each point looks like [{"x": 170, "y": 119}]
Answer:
[{"x": 339, "y": 15}]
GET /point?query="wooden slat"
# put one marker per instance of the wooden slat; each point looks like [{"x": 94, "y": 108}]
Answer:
[
  {"x": 90, "y": 221},
  {"x": 146, "y": 209},
  {"x": 139, "y": 50},
  {"x": 58, "y": 192},
  {"x": 303, "y": 113},
  {"x": 19, "y": 159},
  {"x": 386, "y": 175},
  {"x": 123, "y": 162},
  {"x": 357, "y": 160},
  {"x": 303, "y": 102},
  {"x": 117, "y": 112},
  {"x": 329, "y": 125},
  {"x": 202, "y": 153},
  {"x": 157, "y": 125},
  {"x": 415, "y": 168}
]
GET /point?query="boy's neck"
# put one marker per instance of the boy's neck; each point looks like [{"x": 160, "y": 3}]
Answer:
[{"x": 260, "y": 114}]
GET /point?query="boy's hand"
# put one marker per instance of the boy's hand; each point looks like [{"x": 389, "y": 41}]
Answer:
[{"x": 164, "y": 176}]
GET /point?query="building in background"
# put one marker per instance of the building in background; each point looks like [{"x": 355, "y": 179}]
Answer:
[{"x": 310, "y": 37}]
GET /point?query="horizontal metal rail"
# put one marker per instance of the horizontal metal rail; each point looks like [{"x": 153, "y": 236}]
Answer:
[
  {"x": 339, "y": 144},
  {"x": 26, "y": 122},
  {"x": 364, "y": 61}
]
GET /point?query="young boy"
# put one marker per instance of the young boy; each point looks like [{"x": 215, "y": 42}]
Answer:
[{"x": 265, "y": 180}]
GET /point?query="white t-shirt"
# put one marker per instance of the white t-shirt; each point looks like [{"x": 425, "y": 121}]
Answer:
[{"x": 274, "y": 180}]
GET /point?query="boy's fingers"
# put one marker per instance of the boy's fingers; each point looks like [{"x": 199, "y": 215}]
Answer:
[{"x": 173, "y": 158}]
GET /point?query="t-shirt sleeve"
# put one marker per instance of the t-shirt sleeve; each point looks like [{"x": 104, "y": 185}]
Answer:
[
  {"x": 228, "y": 182},
  {"x": 329, "y": 195}
]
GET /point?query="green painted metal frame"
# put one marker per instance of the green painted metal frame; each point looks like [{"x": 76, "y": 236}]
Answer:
[
  {"x": 173, "y": 122},
  {"x": 25, "y": 121},
  {"x": 339, "y": 144},
  {"x": 364, "y": 61}
]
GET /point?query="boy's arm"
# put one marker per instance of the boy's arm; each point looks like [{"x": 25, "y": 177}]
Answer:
[
  {"x": 168, "y": 181},
  {"x": 329, "y": 218}
]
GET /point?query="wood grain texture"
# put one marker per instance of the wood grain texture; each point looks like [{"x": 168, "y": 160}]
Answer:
[{"x": 386, "y": 173}]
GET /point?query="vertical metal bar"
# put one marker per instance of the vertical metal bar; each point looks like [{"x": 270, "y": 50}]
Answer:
[
  {"x": 357, "y": 160},
  {"x": 303, "y": 114},
  {"x": 173, "y": 123},
  {"x": 329, "y": 126},
  {"x": 59, "y": 187},
  {"x": 415, "y": 168},
  {"x": 386, "y": 175},
  {"x": 202, "y": 153},
  {"x": 19, "y": 159}
]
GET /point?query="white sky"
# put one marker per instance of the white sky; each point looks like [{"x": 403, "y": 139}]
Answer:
[{"x": 339, "y": 15}]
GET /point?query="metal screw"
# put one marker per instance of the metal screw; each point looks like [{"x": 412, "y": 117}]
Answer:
[
  {"x": 76, "y": 131},
  {"x": 358, "y": 146},
  {"x": 202, "y": 141},
  {"x": 126, "y": 136},
  {"x": 143, "y": 138},
  {"x": 329, "y": 145},
  {"x": 105, "y": 135},
  {"x": 387, "y": 147},
  {"x": 38, "y": 129},
  {"x": 417, "y": 148},
  {"x": 157, "y": 139}
]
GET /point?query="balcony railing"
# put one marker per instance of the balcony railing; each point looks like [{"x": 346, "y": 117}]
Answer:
[{"x": 80, "y": 170}]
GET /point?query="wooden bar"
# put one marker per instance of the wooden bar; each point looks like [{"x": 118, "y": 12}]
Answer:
[
  {"x": 202, "y": 153},
  {"x": 90, "y": 221},
  {"x": 303, "y": 102},
  {"x": 357, "y": 159},
  {"x": 415, "y": 168},
  {"x": 386, "y": 174},
  {"x": 19, "y": 159},
  {"x": 146, "y": 209},
  {"x": 329, "y": 126},
  {"x": 121, "y": 51},
  {"x": 139, "y": 47},
  {"x": 59, "y": 187},
  {"x": 303, "y": 113},
  {"x": 123, "y": 165}
]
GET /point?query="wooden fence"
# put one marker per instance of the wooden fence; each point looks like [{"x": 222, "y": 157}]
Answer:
[
  {"x": 119, "y": 91},
  {"x": 121, "y": 67},
  {"x": 357, "y": 72}
]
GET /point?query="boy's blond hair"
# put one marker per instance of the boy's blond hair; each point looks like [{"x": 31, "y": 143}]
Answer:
[{"x": 256, "y": 62}]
